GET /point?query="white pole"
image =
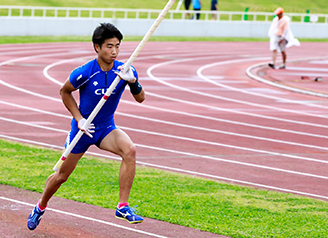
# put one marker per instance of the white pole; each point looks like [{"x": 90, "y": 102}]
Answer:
[{"x": 115, "y": 82}]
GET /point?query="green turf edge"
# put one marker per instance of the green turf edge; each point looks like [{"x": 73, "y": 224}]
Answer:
[{"x": 217, "y": 207}]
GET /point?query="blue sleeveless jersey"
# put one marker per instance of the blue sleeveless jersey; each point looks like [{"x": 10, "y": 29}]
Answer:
[{"x": 92, "y": 84}]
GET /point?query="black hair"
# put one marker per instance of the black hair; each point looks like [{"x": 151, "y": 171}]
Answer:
[{"x": 103, "y": 32}]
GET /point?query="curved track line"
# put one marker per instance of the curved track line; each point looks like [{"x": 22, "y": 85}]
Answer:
[
  {"x": 172, "y": 99},
  {"x": 149, "y": 72},
  {"x": 45, "y": 72},
  {"x": 293, "y": 89},
  {"x": 200, "y": 74},
  {"x": 206, "y": 94}
]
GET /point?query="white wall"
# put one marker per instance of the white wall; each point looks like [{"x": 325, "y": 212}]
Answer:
[{"x": 23, "y": 26}]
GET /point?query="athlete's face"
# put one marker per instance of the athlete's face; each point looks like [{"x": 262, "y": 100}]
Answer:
[{"x": 108, "y": 51}]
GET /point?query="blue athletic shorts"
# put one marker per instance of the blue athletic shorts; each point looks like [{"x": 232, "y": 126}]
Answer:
[{"x": 85, "y": 141}]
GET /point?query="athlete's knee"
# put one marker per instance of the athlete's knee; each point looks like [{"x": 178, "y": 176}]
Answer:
[
  {"x": 129, "y": 154},
  {"x": 60, "y": 178}
]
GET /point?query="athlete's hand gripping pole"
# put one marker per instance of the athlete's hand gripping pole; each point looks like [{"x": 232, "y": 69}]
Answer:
[{"x": 115, "y": 82}]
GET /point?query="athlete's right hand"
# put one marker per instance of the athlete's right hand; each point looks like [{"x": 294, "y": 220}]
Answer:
[{"x": 87, "y": 129}]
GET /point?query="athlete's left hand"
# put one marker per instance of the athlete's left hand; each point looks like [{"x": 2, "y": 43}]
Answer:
[{"x": 127, "y": 76}]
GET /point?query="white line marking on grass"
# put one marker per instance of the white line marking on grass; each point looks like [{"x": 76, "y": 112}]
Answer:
[{"x": 84, "y": 217}]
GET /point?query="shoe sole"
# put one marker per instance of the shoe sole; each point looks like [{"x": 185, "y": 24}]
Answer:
[{"x": 131, "y": 222}]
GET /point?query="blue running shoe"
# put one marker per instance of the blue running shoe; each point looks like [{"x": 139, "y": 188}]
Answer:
[
  {"x": 127, "y": 213},
  {"x": 34, "y": 218}
]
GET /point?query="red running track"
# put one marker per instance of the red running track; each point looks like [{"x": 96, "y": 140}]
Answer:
[{"x": 202, "y": 115}]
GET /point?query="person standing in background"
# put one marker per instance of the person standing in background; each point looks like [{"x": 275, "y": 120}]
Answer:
[
  {"x": 214, "y": 7},
  {"x": 187, "y": 5},
  {"x": 281, "y": 37},
  {"x": 197, "y": 5}
]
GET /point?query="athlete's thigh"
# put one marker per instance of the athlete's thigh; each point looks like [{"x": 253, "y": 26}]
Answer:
[{"x": 117, "y": 142}]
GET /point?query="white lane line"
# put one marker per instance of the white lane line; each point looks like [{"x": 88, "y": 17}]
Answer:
[
  {"x": 29, "y": 92},
  {"x": 301, "y": 74},
  {"x": 218, "y": 119},
  {"x": 27, "y": 58},
  {"x": 278, "y": 85},
  {"x": 176, "y": 124},
  {"x": 172, "y": 99},
  {"x": 204, "y": 156},
  {"x": 248, "y": 148},
  {"x": 215, "y": 96},
  {"x": 179, "y": 170},
  {"x": 84, "y": 217},
  {"x": 318, "y": 62},
  {"x": 176, "y": 112},
  {"x": 306, "y": 69},
  {"x": 33, "y": 125},
  {"x": 219, "y": 144},
  {"x": 48, "y": 50},
  {"x": 215, "y": 108},
  {"x": 222, "y": 109},
  {"x": 167, "y": 98},
  {"x": 183, "y": 138},
  {"x": 45, "y": 72},
  {"x": 150, "y": 69},
  {"x": 236, "y": 111},
  {"x": 206, "y": 78},
  {"x": 222, "y": 132}
]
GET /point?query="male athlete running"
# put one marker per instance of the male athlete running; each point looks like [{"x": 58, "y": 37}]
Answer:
[{"x": 92, "y": 79}]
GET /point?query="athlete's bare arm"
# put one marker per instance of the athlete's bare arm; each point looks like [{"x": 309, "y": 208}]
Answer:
[
  {"x": 69, "y": 101},
  {"x": 140, "y": 97}
]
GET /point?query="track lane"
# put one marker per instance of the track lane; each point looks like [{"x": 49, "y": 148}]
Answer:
[{"x": 232, "y": 110}]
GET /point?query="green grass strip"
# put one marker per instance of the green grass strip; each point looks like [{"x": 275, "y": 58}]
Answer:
[{"x": 207, "y": 205}]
